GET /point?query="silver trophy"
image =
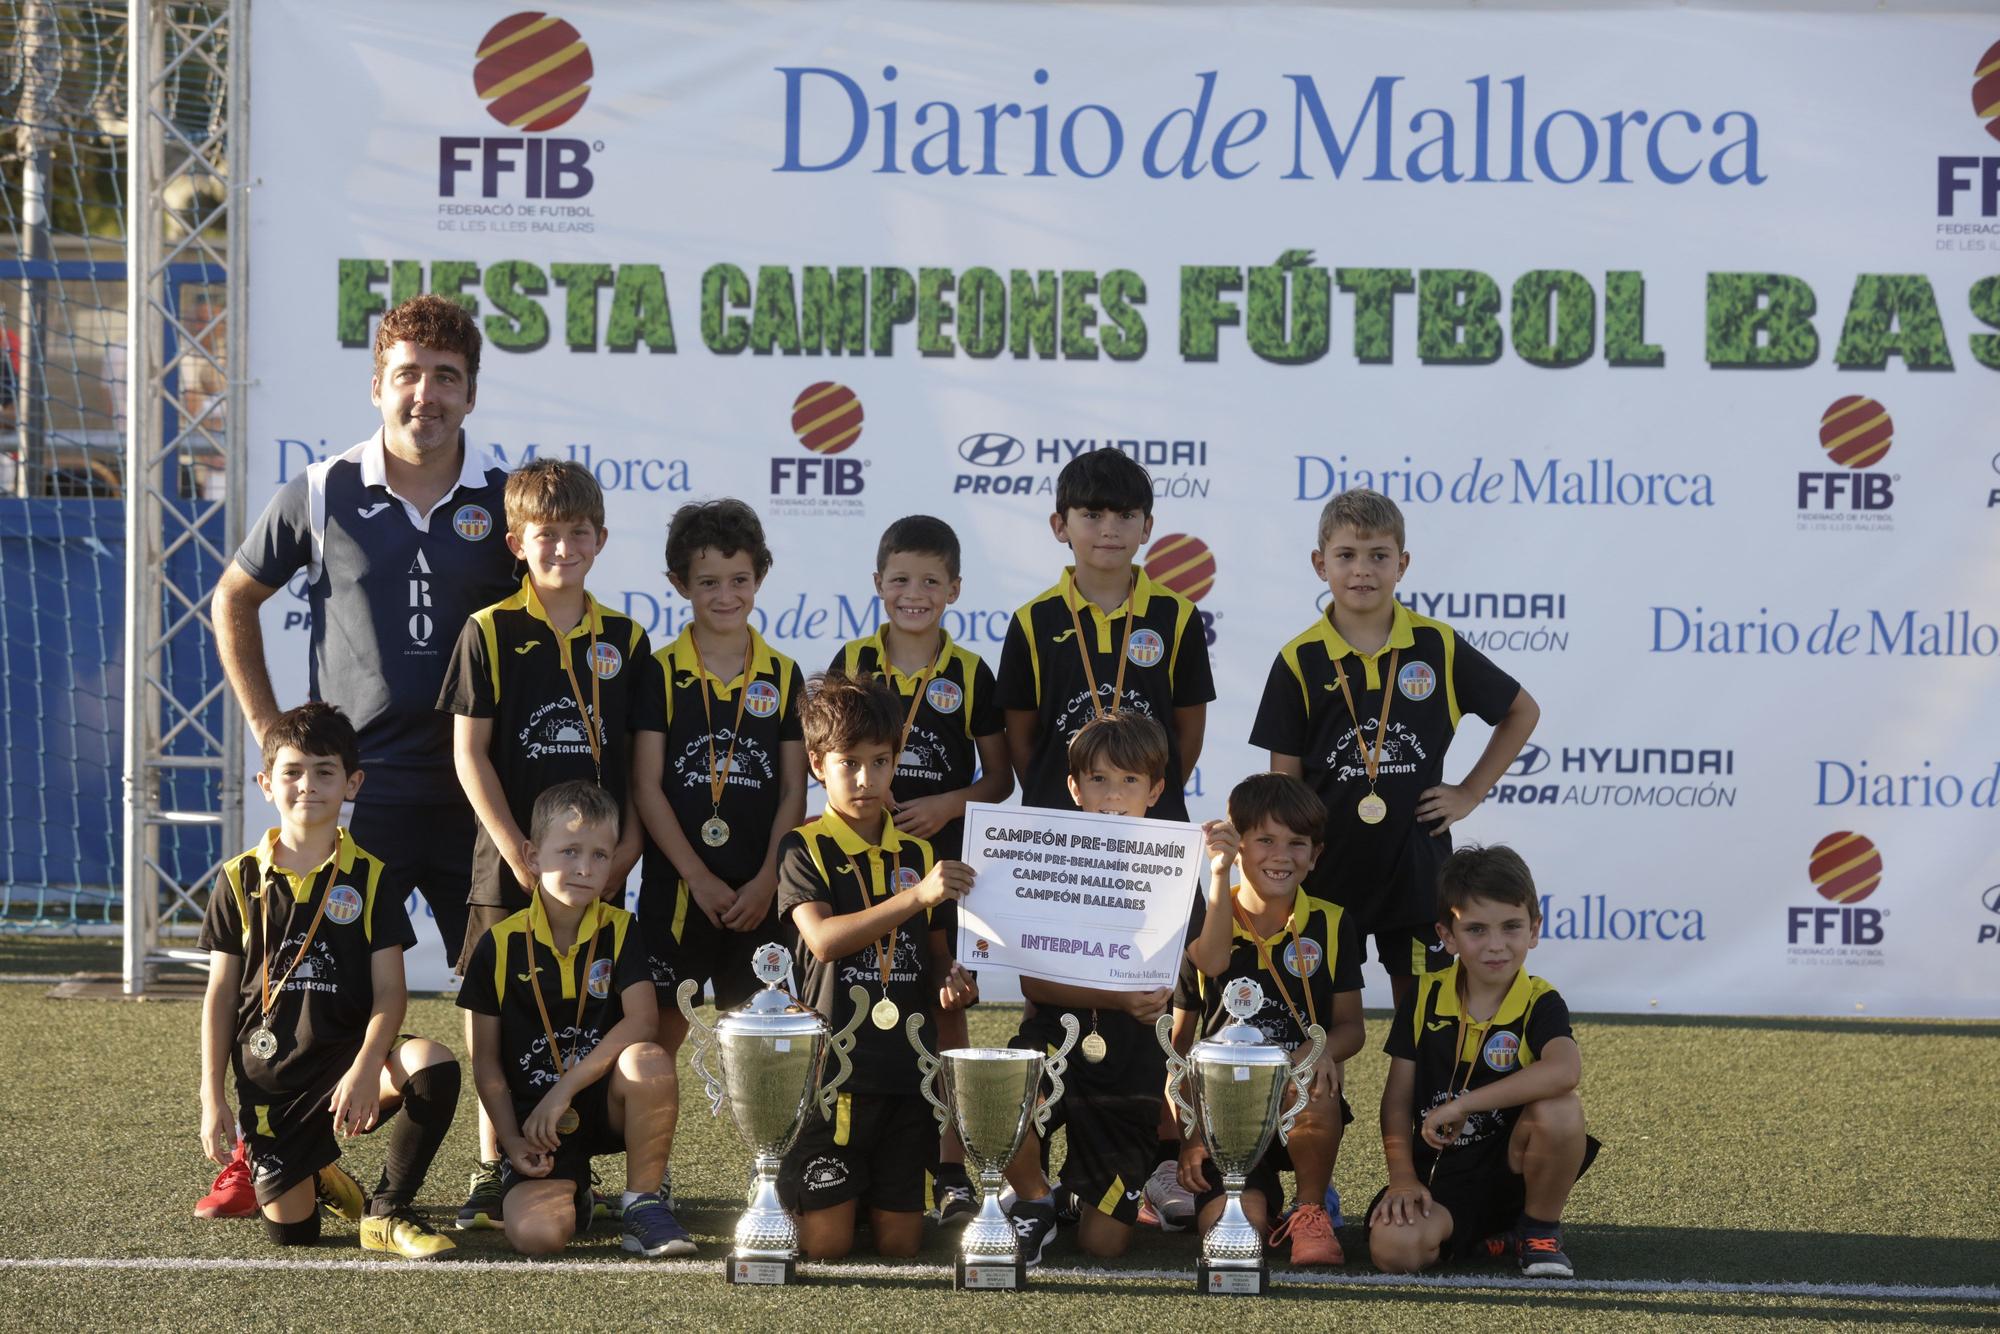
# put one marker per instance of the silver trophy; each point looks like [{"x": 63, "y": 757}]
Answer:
[
  {"x": 1239, "y": 1080},
  {"x": 773, "y": 1053},
  {"x": 991, "y": 1092}
]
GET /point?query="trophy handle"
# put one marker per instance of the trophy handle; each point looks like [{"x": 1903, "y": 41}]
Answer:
[
  {"x": 1177, "y": 1066},
  {"x": 927, "y": 1068},
  {"x": 704, "y": 1038},
  {"x": 843, "y": 1043},
  {"x": 1054, "y": 1066},
  {"x": 1302, "y": 1074}
]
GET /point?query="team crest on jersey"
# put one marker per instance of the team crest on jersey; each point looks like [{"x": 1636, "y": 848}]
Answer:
[
  {"x": 907, "y": 878},
  {"x": 343, "y": 903},
  {"x": 761, "y": 699},
  {"x": 605, "y": 660},
  {"x": 1416, "y": 680},
  {"x": 1503, "y": 1051},
  {"x": 944, "y": 696},
  {"x": 600, "y": 978},
  {"x": 1303, "y": 957},
  {"x": 471, "y": 522},
  {"x": 1146, "y": 648}
]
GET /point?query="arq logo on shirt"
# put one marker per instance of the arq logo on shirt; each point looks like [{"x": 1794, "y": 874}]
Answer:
[
  {"x": 760, "y": 699},
  {"x": 471, "y": 522},
  {"x": 1502, "y": 1052},
  {"x": 600, "y": 978},
  {"x": 1303, "y": 957},
  {"x": 1146, "y": 648},
  {"x": 605, "y": 660},
  {"x": 1416, "y": 680},
  {"x": 343, "y": 904},
  {"x": 944, "y": 696}
]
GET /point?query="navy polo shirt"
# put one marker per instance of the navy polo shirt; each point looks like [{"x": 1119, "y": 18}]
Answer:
[{"x": 389, "y": 587}]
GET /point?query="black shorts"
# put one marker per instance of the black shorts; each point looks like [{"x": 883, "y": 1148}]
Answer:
[
  {"x": 592, "y": 1137},
  {"x": 427, "y": 848},
  {"x": 1406, "y": 951},
  {"x": 289, "y": 1136},
  {"x": 874, "y": 1150},
  {"x": 1264, "y": 1176},
  {"x": 1483, "y": 1196},
  {"x": 681, "y": 945},
  {"x": 1112, "y": 1113}
]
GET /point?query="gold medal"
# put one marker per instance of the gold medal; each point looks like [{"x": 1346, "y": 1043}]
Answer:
[
  {"x": 1372, "y": 809},
  {"x": 567, "y": 1123},
  {"x": 1095, "y": 1048},
  {"x": 263, "y": 1044},
  {"x": 885, "y": 1014},
  {"x": 715, "y": 831}
]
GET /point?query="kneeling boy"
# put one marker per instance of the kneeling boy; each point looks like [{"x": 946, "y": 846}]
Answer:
[
  {"x": 560, "y": 1026},
  {"x": 1302, "y": 951},
  {"x": 305, "y": 995},
  {"x": 861, "y": 895},
  {"x": 1484, "y": 1076}
]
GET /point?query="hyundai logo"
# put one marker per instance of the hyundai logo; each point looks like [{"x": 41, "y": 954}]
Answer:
[
  {"x": 1992, "y": 899},
  {"x": 991, "y": 449},
  {"x": 1532, "y": 760}
]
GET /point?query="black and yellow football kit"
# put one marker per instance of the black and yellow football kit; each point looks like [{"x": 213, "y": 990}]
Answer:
[
  {"x": 582, "y": 990},
  {"x": 1301, "y": 968},
  {"x": 310, "y": 937},
  {"x": 1385, "y": 874},
  {"x": 512, "y": 666},
  {"x": 871, "y": 1148},
  {"x": 1042, "y": 668},
  {"x": 1453, "y": 1053},
  {"x": 741, "y": 731}
]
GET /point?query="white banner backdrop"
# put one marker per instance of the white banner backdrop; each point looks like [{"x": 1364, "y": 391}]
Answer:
[{"x": 1673, "y": 332}]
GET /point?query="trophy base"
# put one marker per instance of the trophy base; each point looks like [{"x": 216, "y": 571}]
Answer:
[
  {"x": 760, "y": 1272},
  {"x": 974, "y": 1274},
  {"x": 1232, "y": 1280}
]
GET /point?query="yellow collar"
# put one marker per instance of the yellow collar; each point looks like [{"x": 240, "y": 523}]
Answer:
[
  {"x": 1143, "y": 590},
  {"x": 682, "y": 657},
  {"x": 301, "y": 882},
  {"x": 586, "y": 925},
  {"x": 1402, "y": 634},
  {"x": 854, "y": 845},
  {"x": 896, "y": 676},
  {"x": 1512, "y": 1006},
  {"x": 590, "y": 623},
  {"x": 1296, "y": 926}
]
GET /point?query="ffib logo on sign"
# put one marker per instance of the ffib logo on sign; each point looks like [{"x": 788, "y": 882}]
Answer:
[{"x": 533, "y": 72}]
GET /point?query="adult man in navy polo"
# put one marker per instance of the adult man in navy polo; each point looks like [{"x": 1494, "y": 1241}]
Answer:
[{"x": 402, "y": 537}]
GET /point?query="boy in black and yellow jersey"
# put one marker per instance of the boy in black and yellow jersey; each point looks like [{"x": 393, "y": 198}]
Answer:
[
  {"x": 1112, "y": 1103},
  {"x": 544, "y": 686},
  {"x": 305, "y": 994},
  {"x": 719, "y": 770},
  {"x": 951, "y": 748},
  {"x": 1302, "y": 951},
  {"x": 560, "y": 1021},
  {"x": 1104, "y": 637},
  {"x": 1362, "y": 706},
  {"x": 1481, "y": 1124},
  {"x": 861, "y": 895}
]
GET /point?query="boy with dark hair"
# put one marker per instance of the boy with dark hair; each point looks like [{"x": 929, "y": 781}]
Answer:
[
  {"x": 861, "y": 894},
  {"x": 950, "y": 747},
  {"x": 545, "y": 686},
  {"x": 1481, "y": 1123},
  {"x": 562, "y": 1049},
  {"x": 1106, "y": 636},
  {"x": 1301, "y": 950},
  {"x": 1362, "y": 706},
  {"x": 305, "y": 996},
  {"x": 1112, "y": 1100}
]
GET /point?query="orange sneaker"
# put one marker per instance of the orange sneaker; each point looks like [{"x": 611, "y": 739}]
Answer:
[{"x": 1311, "y": 1235}]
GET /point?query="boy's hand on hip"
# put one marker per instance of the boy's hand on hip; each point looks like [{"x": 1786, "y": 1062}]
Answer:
[{"x": 1446, "y": 804}]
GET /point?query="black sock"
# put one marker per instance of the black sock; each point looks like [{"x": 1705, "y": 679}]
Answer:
[
  {"x": 429, "y": 1100},
  {"x": 305, "y": 1232},
  {"x": 1528, "y": 1223}
]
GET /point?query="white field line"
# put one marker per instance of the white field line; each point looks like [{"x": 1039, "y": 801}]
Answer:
[{"x": 942, "y": 1273}]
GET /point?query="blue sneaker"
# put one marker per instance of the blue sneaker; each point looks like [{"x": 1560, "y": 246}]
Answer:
[
  {"x": 1333, "y": 1205},
  {"x": 652, "y": 1230}
]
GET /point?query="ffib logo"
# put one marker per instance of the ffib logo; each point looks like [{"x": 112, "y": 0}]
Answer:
[
  {"x": 533, "y": 72},
  {"x": 1845, "y": 869},
  {"x": 1856, "y": 432},
  {"x": 827, "y": 419},
  {"x": 1184, "y": 563}
]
